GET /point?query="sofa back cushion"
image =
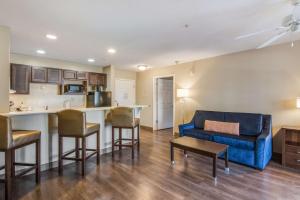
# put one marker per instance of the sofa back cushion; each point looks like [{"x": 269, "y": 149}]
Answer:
[
  {"x": 201, "y": 116},
  {"x": 222, "y": 127},
  {"x": 250, "y": 124}
]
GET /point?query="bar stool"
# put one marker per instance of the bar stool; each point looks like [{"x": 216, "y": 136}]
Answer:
[
  {"x": 10, "y": 140},
  {"x": 72, "y": 123},
  {"x": 123, "y": 118}
]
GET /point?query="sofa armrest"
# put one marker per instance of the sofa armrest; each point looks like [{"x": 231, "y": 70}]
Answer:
[
  {"x": 183, "y": 127},
  {"x": 264, "y": 144}
]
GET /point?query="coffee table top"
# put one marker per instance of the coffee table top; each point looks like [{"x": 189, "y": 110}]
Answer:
[{"x": 199, "y": 145}]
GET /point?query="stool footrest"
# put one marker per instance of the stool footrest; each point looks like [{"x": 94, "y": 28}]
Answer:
[
  {"x": 118, "y": 143},
  {"x": 24, "y": 164},
  {"x": 25, "y": 171},
  {"x": 64, "y": 157},
  {"x": 90, "y": 155},
  {"x": 71, "y": 158}
]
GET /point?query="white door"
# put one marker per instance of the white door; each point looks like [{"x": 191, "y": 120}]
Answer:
[
  {"x": 125, "y": 92},
  {"x": 164, "y": 103}
]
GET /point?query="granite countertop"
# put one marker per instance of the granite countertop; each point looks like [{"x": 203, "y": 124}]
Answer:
[{"x": 51, "y": 111}]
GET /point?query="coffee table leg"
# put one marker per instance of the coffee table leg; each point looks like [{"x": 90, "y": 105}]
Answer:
[
  {"x": 172, "y": 154},
  {"x": 226, "y": 161},
  {"x": 215, "y": 167}
]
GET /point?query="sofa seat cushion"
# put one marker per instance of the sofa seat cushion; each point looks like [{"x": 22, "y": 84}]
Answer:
[
  {"x": 250, "y": 124},
  {"x": 243, "y": 156},
  {"x": 198, "y": 133},
  {"x": 240, "y": 142}
]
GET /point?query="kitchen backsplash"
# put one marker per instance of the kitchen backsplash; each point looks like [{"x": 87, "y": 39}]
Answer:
[{"x": 43, "y": 95}]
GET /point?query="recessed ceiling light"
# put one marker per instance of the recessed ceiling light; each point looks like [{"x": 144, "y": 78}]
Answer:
[
  {"x": 40, "y": 51},
  {"x": 91, "y": 60},
  {"x": 51, "y": 37},
  {"x": 143, "y": 67},
  {"x": 111, "y": 51}
]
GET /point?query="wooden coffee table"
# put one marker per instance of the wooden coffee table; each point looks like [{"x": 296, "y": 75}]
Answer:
[{"x": 203, "y": 147}]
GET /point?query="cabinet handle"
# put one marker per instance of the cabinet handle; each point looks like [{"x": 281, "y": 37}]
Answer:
[
  {"x": 298, "y": 160},
  {"x": 298, "y": 152}
]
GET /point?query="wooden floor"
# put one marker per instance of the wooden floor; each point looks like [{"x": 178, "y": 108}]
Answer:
[{"x": 150, "y": 176}]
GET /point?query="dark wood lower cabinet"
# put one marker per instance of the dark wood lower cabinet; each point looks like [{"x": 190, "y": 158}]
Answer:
[{"x": 291, "y": 147}]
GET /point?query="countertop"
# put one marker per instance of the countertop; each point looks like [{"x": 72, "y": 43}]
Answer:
[{"x": 52, "y": 111}]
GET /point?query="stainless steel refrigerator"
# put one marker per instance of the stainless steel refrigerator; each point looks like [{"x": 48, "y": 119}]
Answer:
[{"x": 98, "y": 99}]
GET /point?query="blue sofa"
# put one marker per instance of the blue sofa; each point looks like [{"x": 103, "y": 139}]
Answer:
[{"x": 253, "y": 147}]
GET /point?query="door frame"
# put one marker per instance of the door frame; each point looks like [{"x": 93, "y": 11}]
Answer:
[
  {"x": 125, "y": 79},
  {"x": 154, "y": 92}
]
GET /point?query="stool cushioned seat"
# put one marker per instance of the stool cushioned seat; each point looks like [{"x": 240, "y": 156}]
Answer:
[
  {"x": 21, "y": 137},
  {"x": 92, "y": 128}
]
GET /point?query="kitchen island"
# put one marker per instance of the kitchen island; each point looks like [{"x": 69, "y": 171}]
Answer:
[{"x": 46, "y": 122}]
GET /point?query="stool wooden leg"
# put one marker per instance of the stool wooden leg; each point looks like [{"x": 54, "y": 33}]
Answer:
[
  {"x": 83, "y": 157},
  {"x": 38, "y": 161},
  {"x": 77, "y": 148},
  {"x": 98, "y": 147},
  {"x": 13, "y": 172},
  {"x": 132, "y": 141},
  {"x": 8, "y": 179},
  {"x": 138, "y": 137},
  {"x": 120, "y": 139},
  {"x": 60, "y": 150},
  {"x": 112, "y": 141}
]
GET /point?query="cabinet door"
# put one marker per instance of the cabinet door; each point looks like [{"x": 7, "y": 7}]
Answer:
[
  {"x": 93, "y": 79},
  {"x": 20, "y": 78},
  {"x": 102, "y": 80},
  {"x": 54, "y": 75},
  {"x": 69, "y": 74},
  {"x": 38, "y": 75},
  {"x": 82, "y": 75}
]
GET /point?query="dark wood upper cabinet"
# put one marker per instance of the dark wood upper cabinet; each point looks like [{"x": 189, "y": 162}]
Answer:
[
  {"x": 102, "y": 80},
  {"x": 38, "y": 75},
  {"x": 69, "y": 74},
  {"x": 20, "y": 78},
  {"x": 93, "y": 79},
  {"x": 97, "y": 79},
  {"x": 82, "y": 75},
  {"x": 54, "y": 76}
]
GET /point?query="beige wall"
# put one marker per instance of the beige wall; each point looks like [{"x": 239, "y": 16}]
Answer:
[
  {"x": 124, "y": 74},
  {"x": 258, "y": 81},
  {"x": 4, "y": 68}
]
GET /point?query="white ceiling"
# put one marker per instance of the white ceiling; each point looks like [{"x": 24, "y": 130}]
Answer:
[{"x": 143, "y": 31}]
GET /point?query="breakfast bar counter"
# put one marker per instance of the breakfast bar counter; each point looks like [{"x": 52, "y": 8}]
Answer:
[
  {"x": 53, "y": 111},
  {"x": 46, "y": 122}
]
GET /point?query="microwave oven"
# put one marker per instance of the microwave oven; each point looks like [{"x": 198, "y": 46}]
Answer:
[{"x": 74, "y": 88}]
